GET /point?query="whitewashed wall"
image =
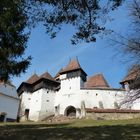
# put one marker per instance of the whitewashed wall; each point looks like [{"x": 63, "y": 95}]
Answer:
[
  {"x": 47, "y": 103},
  {"x": 90, "y": 97},
  {"x": 136, "y": 105},
  {"x": 9, "y": 101},
  {"x": 25, "y": 98},
  {"x": 35, "y": 105},
  {"x": 42, "y": 104},
  {"x": 71, "y": 83}
]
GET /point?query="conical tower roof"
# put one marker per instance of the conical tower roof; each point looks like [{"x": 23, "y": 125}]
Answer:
[
  {"x": 97, "y": 80},
  {"x": 72, "y": 66},
  {"x": 32, "y": 79}
]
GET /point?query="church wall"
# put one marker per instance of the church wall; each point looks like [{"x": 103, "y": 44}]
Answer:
[
  {"x": 136, "y": 104},
  {"x": 131, "y": 104},
  {"x": 112, "y": 116},
  {"x": 25, "y": 98},
  {"x": 71, "y": 84},
  {"x": 35, "y": 105},
  {"x": 107, "y": 97},
  {"x": 47, "y": 104},
  {"x": 91, "y": 98},
  {"x": 63, "y": 100}
]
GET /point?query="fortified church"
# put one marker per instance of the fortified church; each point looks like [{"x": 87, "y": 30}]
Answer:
[{"x": 69, "y": 93}]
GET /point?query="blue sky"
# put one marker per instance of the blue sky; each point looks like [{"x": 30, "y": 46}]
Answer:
[{"x": 51, "y": 55}]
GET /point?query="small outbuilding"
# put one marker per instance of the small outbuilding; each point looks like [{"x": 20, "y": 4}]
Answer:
[{"x": 9, "y": 102}]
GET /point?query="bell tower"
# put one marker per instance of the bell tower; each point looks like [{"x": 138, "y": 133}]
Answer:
[{"x": 72, "y": 76}]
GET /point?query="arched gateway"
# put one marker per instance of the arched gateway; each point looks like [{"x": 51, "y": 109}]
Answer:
[{"x": 70, "y": 111}]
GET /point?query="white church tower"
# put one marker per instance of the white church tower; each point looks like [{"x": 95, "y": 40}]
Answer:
[
  {"x": 72, "y": 77},
  {"x": 37, "y": 96}
]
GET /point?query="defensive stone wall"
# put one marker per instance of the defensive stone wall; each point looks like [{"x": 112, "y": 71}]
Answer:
[{"x": 112, "y": 114}]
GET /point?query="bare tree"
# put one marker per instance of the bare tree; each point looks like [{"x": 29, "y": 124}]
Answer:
[
  {"x": 129, "y": 46},
  {"x": 130, "y": 98}
]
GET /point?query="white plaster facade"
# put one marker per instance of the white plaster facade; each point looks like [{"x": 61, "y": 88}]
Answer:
[
  {"x": 9, "y": 102},
  {"x": 71, "y": 97},
  {"x": 39, "y": 103},
  {"x": 71, "y": 94}
]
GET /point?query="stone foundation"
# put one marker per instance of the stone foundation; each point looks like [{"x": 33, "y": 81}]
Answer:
[{"x": 112, "y": 116}]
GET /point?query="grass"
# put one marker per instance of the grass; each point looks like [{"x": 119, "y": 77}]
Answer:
[{"x": 75, "y": 130}]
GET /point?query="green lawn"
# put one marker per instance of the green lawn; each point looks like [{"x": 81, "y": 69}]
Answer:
[{"x": 74, "y": 130}]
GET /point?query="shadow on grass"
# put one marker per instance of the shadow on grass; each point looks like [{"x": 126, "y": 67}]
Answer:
[{"x": 66, "y": 132}]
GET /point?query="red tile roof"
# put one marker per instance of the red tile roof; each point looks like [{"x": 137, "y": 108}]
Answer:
[
  {"x": 73, "y": 65},
  {"x": 97, "y": 80},
  {"x": 35, "y": 78},
  {"x": 132, "y": 74},
  {"x": 32, "y": 79},
  {"x": 46, "y": 75}
]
